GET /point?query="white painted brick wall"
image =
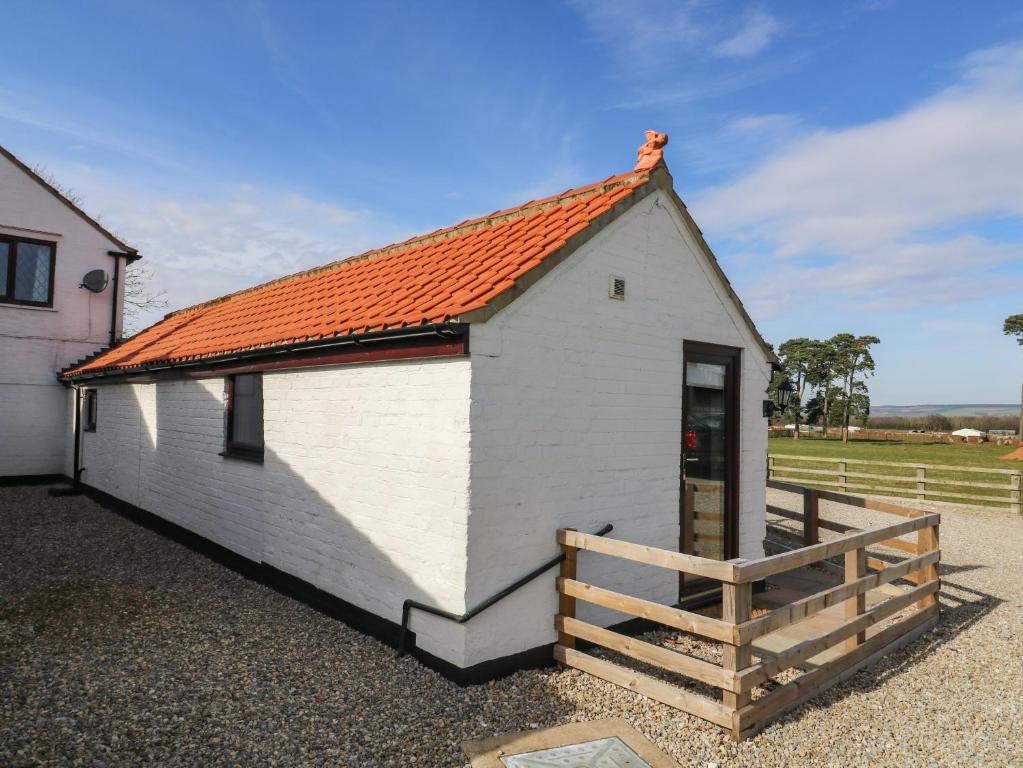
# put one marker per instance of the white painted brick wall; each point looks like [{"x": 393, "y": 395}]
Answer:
[
  {"x": 36, "y": 342},
  {"x": 364, "y": 489},
  {"x": 576, "y": 420}
]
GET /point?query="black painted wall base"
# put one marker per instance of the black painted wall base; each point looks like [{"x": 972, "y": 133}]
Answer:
[{"x": 9, "y": 480}]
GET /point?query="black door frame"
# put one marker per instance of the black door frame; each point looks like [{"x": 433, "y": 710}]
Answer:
[{"x": 731, "y": 358}]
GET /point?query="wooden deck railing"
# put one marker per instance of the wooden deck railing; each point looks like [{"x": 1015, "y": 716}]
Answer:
[
  {"x": 922, "y": 481},
  {"x": 742, "y": 669}
]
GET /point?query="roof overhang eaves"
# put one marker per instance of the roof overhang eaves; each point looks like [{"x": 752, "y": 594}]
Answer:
[{"x": 448, "y": 330}]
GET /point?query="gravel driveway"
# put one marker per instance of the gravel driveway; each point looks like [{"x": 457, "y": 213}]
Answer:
[{"x": 119, "y": 647}]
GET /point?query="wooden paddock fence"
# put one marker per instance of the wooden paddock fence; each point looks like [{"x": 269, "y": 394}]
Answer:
[
  {"x": 920, "y": 484},
  {"x": 738, "y": 674}
]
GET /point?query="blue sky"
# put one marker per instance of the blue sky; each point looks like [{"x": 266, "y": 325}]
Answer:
[{"x": 856, "y": 166}]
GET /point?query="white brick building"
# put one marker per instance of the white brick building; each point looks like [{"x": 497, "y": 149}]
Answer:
[
  {"x": 47, "y": 320},
  {"x": 417, "y": 422}
]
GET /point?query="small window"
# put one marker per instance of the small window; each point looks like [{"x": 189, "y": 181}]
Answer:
[
  {"x": 26, "y": 272},
  {"x": 245, "y": 416},
  {"x": 90, "y": 409}
]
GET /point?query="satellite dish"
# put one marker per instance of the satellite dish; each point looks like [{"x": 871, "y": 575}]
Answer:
[{"x": 95, "y": 281}]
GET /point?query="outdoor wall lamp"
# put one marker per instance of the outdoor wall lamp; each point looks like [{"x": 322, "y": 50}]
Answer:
[{"x": 782, "y": 396}]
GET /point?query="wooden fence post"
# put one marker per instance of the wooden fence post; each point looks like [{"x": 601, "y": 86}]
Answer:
[
  {"x": 921, "y": 483},
  {"x": 736, "y": 608},
  {"x": 927, "y": 539},
  {"x": 855, "y": 568},
  {"x": 1015, "y": 484},
  {"x": 843, "y": 480},
  {"x": 566, "y": 603},
  {"x": 770, "y": 467},
  {"x": 811, "y": 517}
]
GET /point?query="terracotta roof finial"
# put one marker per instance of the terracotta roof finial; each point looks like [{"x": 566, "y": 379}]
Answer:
[{"x": 651, "y": 154}]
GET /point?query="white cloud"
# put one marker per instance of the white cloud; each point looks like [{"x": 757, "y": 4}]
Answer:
[
  {"x": 735, "y": 142},
  {"x": 203, "y": 248},
  {"x": 898, "y": 205},
  {"x": 758, "y": 31},
  {"x": 637, "y": 28},
  {"x": 644, "y": 32},
  {"x": 669, "y": 53}
]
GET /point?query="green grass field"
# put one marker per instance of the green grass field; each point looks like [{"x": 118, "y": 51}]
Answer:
[{"x": 980, "y": 456}]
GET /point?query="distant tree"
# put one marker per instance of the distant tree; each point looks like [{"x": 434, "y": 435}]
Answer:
[
  {"x": 824, "y": 368},
  {"x": 824, "y": 408},
  {"x": 815, "y": 409},
  {"x": 797, "y": 358},
  {"x": 139, "y": 295},
  {"x": 936, "y": 422},
  {"x": 857, "y": 405},
  {"x": 72, "y": 196},
  {"x": 1014, "y": 327},
  {"x": 852, "y": 355}
]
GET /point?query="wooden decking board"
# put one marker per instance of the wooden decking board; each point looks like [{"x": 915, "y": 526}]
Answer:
[{"x": 789, "y": 587}]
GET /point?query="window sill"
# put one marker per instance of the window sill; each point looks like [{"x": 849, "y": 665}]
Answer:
[
  {"x": 253, "y": 457},
  {"x": 14, "y": 305}
]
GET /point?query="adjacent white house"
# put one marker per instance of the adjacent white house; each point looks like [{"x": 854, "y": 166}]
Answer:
[
  {"x": 416, "y": 422},
  {"x": 48, "y": 320}
]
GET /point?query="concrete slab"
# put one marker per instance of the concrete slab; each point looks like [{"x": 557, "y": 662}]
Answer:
[{"x": 597, "y": 744}]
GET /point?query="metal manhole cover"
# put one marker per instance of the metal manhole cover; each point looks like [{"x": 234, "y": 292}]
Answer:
[{"x": 602, "y": 753}]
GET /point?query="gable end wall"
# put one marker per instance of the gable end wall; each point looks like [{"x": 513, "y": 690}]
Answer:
[
  {"x": 576, "y": 421},
  {"x": 37, "y": 342}
]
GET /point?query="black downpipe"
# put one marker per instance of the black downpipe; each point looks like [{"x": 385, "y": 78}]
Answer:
[
  {"x": 113, "y": 298},
  {"x": 408, "y": 605},
  {"x": 77, "y": 471}
]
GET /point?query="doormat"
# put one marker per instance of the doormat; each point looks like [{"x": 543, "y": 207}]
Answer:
[{"x": 597, "y": 744}]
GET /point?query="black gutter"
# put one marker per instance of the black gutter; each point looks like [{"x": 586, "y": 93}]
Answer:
[
  {"x": 408, "y": 605},
  {"x": 113, "y": 297},
  {"x": 442, "y": 330}
]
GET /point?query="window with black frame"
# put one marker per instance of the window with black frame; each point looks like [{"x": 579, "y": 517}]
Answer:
[
  {"x": 245, "y": 416},
  {"x": 26, "y": 272},
  {"x": 90, "y": 409}
]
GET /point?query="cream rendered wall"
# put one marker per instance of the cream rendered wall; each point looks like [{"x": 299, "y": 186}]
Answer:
[
  {"x": 35, "y": 342},
  {"x": 363, "y": 492},
  {"x": 576, "y": 421}
]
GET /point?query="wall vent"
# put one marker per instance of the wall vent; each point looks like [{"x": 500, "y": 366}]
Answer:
[{"x": 616, "y": 288}]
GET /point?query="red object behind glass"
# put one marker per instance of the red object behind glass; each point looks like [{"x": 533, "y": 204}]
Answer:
[{"x": 692, "y": 442}]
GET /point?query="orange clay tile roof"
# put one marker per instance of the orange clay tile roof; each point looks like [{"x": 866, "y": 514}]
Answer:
[{"x": 433, "y": 278}]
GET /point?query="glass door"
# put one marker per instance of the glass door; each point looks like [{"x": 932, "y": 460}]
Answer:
[{"x": 708, "y": 498}]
